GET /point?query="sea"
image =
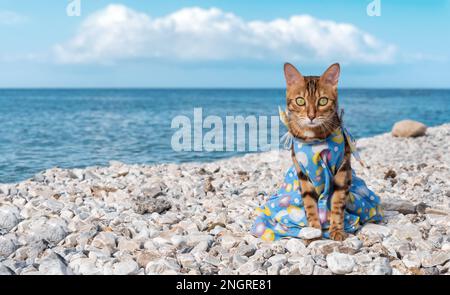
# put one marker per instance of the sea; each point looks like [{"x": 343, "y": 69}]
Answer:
[{"x": 75, "y": 128}]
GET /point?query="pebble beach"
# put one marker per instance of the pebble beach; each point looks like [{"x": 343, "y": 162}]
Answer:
[{"x": 195, "y": 218}]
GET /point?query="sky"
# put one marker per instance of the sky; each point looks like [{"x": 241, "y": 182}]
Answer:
[{"x": 228, "y": 43}]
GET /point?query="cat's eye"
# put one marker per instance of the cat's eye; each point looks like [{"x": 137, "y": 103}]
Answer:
[
  {"x": 323, "y": 101},
  {"x": 300, "y": 101}
]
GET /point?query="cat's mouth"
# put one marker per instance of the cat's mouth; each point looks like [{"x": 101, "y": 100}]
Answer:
[{"x": 310, "y": 123}]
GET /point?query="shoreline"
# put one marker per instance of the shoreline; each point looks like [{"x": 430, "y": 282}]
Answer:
[
  {"x": 194, "y": 218},
  {"x": 151, "y": 164}
]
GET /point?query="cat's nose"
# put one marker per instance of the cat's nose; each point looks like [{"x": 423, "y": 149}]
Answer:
[{"x": 311, "y": 117}]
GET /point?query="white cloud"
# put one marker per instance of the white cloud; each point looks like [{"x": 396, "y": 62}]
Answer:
[
  {"x": 195, "y": 34},
  {"x": 10, "y": 18}
]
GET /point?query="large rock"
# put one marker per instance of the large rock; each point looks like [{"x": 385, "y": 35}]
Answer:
[
  {"x": 9, "y": 217},
  {"x": 105, "y": 240},
  {"x": 295, "y": 246},
  {"x": 407, "y": 232},
  {"x": 306, "y": 265},
  {"x": 381, "y": 266},
  {"x": 145, "y": 257},
  {"x": 85, "y": 266},
  {"x": 436, "y": 258},
  {"x": 278, "y": 259},
  {"x": 127, "y": 245},
  {"x": 249, "y": 267},
  {"x": 408, "y": 128},
  {"x": 396, "y": 246},
  {"x": 402, "y": 206},
  {"x": 54, "y": 266},
  {"x": 324, "y": 247},
  {"x": 162, "y": 265},
  {"x": 7, "y": 245},
  {"x": 52, "y": 230},
  {"x": 126, "y": 267},
  {"x": 144, "y": 205},
  {"x": 320, "y": 271},
  {"x": 187, "y": 260},
  {"x": 5, "y": 271},
  {"x": 372, "y": 229},
  {"x": 274, "y": 269},
  {"x": 246, "y": 250},
  {"x": 412, "y": 260},
  {"x": 340, "y": 263},
  {"x": 309, "y": 233},
  {"x": 228, "y": 241}
]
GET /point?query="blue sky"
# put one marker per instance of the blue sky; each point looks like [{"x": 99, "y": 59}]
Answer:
[{"x": 209, "y": 43}]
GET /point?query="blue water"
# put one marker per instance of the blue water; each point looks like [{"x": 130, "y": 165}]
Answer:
[{"x": 41, "y": 129}]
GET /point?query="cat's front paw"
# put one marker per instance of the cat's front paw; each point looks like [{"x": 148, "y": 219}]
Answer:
[{"x": 338, "y": 235}]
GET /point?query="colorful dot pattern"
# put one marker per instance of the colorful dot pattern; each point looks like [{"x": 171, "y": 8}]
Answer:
[{"x": 283, "y": 215}]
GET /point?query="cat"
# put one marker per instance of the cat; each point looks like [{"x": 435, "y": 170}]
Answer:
[
  {"x": 312, "y": 102},
  {"x": 320, "y": 189}
]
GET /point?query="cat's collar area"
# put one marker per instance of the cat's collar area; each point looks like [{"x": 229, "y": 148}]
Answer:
[{"x": 291, "y": 138}]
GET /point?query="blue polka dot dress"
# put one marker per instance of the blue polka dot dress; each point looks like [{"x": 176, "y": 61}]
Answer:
[{"x": 284, "y": 216}]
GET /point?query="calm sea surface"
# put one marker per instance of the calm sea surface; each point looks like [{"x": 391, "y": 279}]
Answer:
[{"x": 40, "y": 129}]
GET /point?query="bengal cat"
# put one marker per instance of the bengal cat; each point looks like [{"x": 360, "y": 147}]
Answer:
[{"x": 312, "y": 102}]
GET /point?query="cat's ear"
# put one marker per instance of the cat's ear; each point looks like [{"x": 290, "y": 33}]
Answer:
[
  {"x": 331, "y": 75},
  {"x": 292, "y": 75}
]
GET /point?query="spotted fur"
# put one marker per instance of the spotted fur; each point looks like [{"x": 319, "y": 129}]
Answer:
[{"x": 311, "y": 121}]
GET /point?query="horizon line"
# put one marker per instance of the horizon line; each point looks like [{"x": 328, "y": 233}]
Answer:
[{"x": 211, "y": 88}]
